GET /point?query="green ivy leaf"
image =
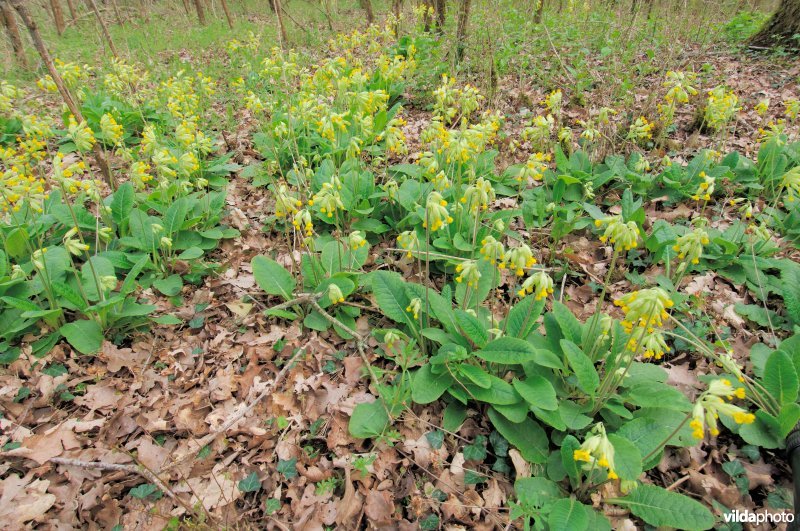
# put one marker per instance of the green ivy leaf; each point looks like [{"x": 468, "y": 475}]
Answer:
[
  {"x": 288, "y": 468},
  {"x": 251, "y": 483}
]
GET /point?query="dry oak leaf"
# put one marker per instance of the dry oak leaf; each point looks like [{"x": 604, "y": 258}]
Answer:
[
  {"x": 51, "y": 443},
  {"x": 22, "y": 500},
  {"x": 379, "y": 507}
]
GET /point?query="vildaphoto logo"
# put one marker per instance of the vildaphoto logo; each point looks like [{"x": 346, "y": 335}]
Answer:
[{"x": 748, "y": 517}]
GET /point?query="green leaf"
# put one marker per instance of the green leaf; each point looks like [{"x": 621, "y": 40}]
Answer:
[
  {"x": 391, "y": 297},
  {"x": 536, "y": 492},
  {"x": 369, "y": 420},
  {"x": 454, "y": 415},
  {"x": 528, "y": 437},
  {"x": 141, "y": 226},
  {"x": 537, "y": 391},
  {"x": 662, "y": 508},
  {"x": 122, "y": 204},
  {"x": 143, "y": 491},
  {"x": 288, "y": 467},
  {"x": 167, "y": 320},
  {"x": 780, "y": 377},
  {"x": 523, "y": 316},
  {"x": 477, "y": 450},
  {"x": 272, "y": 506},
  {"x": 571, "y": 467},
  {"x": 627, "y": 458},
  {"x": 571, "y": 328},
  {"x": 788, "y": 418},
  {"x": 339, "y": 257},
  {"x": 272, "y": 277},
  {"x": 472, "y": 328},
  {"x": 427, "y": 387},
  {"x": 175, "y": 216},
  {"x": 85, "y": 336},
  {"x": 169, "y": 286},
  {"x": 251, "y": 483},
  {"x": 588, "y": 380},
  {"x": 568, "y": 514},
  {"x": 476, "y": 375},
  {"x": 507, "y": 351},
  {"x": 790, "y": 280},
  {"x": 16, "y": 243}
]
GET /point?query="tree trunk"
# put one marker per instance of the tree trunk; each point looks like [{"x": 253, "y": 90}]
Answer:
[
  {"x": 461, "y": 29},
  {"x": 781, "y": 27},
  {"x": 228, "y": 16},
  {"x": 27, "y": 19},
  {"x": 58, "y": 15},
  {"x": 10, "y": 22},
  {"x": 276, "y": 5},
  {"x": 103, "y": 27},
  {"x": 201, "y": 13},
  {"x": 441, "y": 14},
  {"x": 366, "y": 5},
  {"x": 539, "y": 12},
  {"x": 186, "y": 7},
  {"x": 396, "y": 8},
  {"x": 72, "y": 13}
]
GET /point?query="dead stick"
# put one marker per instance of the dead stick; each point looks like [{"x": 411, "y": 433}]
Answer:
[{"x": 115, "y": 467}]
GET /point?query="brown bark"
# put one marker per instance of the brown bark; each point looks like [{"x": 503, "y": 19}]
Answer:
[
  {"x": 228, "y": 16},
  {"x": 539, "y": 12},
  {"x": 366, "y": 5},
  {"x": 201, "y": 12},
  {"x": 103, "y": 28},
  {"x": 58, "y": 16},
  {"x": 30, "y": 23},
  {"x": 276, "y": 5},
  {"x": 186, "y": 6},
  {"x": 781, "y": 28},
  {"x": 441, "y": 14},
  {"x": 10, "y": 23},
  {"x": 461, "y": 28},
  {"x": 396, "y": 7}
]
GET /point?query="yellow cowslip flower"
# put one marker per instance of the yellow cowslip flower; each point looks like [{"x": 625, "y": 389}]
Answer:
[
  {"x": 706, "y": 187},
  {"x": 644, "y": 308},
  {"x": 721, "y": 107},
  {"x": 534, "y": 168},
  {"x": 112, "y": 131},
  {"x": 302, "y": 221},
  {"x": 479, "y": 195},
  {"x": 597, "y": 451},
  {"x": 414, "y": 307},
  {"x": 712, "y": 403},
  {"x": 679, "y": 86},
  {"x": 554, "y": 101},
  {"x": 286, "y": 202},
  {"x": 468, "y": 273},
  {"x": 493, "y": 250},
  {"x": 792, "y": 108},
  {"x": 328, "y": 198},
  {"x": 356, "y": 240},
  {"x": 409, "y": 241},
  {"x": 80, "y": 134},
  {"x": 335, "y": 294},
  {"x": 762, "y": 106},
  {"x": 650, "y": 340},
  {"x": 641, "y": 129},
  {"x": 690, "y": 246},
  {"x": 520, "y": 258},
  {"x": 436, "y": 213},
  {"x": 539, "y": 283},
  {"x": 791, "y": 182},
  {"x": 623, "y": 236}
]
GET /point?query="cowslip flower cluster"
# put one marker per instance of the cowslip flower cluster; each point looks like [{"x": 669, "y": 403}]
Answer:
[
  {"x": 791, "y": 182},
  {"x": 641, "y": 129},
  {"x": 356, "y": 240},
  {"x": 478, "y": 196},
  {"x": 539, "y": 283},
  {"x": 539, "y": 131},
  {"x": 335, "y": 294},
  {"x": 645, "y": 308},
  {"x": 493, "y": 251},
  {"x": 534, "y": 168},
  {"x": 792, "y": 106},
  {"x": 706, "y": 187},
  {"x": 409, "y": 241},
  {"x": 414, "y": 307},
  {"x": 712, "y": 403},
  {"x": 520, "y": 258},
  {"x": 679, "y": 86},
  {"x": 302, "y": 221},
  {"x": 721, "y": 107},
  {"x": 690, "y": 246},
  {"x": 436, "y": 214},
  {"x": 597, "y": 451},
  {"x": 469, "y": 273},
  {"x": 623, "y": 236}
]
